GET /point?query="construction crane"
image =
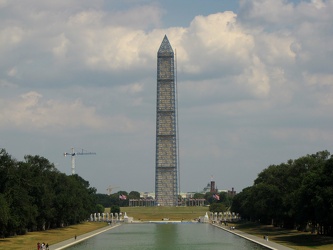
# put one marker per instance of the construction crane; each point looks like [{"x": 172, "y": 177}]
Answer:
[
  {"x": 73, "y": 153},
  {"x": 110, "y": 188}
]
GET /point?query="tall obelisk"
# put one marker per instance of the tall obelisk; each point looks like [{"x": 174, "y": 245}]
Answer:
[{"x": 166, "y": 180}]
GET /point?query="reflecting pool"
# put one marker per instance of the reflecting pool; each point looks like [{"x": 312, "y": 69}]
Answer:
[{"x": 151, "y": 236}]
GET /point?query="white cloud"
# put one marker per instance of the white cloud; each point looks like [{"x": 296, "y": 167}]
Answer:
[
  {"x": 266, "y": 12},
  {"x": 318, "y": 79},
  {"x": 61, "y": 47},
  {"x": 31, "y": 112},
  {"x": 310, "y": 135},
  {"x": 319, "y": 4},
  {"x": 10, "y": 37},
  {"x": 321, "y": 86},
  {"x": 132, "y": 88},
  {"x": 12, "y": 72},
  {"x": 88, "y": 18},
  {"x": 255, "y": 79},
  {"x": 6, "y": 84},
  {"x": 219, "y": 38},
  {"x": 3, "y": 3},
  {"x": 113, "y": 49}
]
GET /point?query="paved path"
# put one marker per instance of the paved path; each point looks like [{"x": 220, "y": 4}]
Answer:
[
  {"x": 258, "y": 240},
  {"x": 72, "y": 241}
]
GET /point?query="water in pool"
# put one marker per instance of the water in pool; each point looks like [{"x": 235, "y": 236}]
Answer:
[{"x": 173, "y": 236}]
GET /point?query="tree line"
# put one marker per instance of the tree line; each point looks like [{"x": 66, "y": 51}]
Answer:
[
  {"x": 116, "y": 199},
  {"x": 296, "y": 194},
  {"x": 217, "y": 201},
  {"x": 34, "y": 196}
]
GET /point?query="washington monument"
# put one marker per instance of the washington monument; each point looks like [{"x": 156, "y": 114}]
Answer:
[{"x": 166, "y": 175}]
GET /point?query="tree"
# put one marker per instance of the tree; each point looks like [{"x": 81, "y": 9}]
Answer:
[
  {"x": 134, "y": 195},
  {"x": 37, "y": 171},
  {"x": 217, "y": 207},
  {"x": 292, "y": 194},
  {"x": 34, "y": 195},
  {"x": 243, "y": 205},
  {"x": 209, "y": 197},
  {"x": 115, "y": 209},
  {"x": 103, "y": 199},
  {"x": 7, "y": 165},
  {"x": 266, "y": 200},
  {"x": 99, "y": 208},
  {"x": 4, "y": 215},
  {"x": 199, "y": 196},
  {"x": 82, "y": 201},
  {"x": 226, "y": 199}
]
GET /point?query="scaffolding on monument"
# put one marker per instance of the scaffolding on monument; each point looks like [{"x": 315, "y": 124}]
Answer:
[{"x": 166, "y": 177}]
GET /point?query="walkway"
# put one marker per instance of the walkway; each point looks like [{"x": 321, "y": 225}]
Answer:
[
  {"x": 258, "y": 240},
  {"x": 72, "y": 241}
]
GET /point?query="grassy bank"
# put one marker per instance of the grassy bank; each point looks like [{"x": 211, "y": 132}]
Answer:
[
  {"x": 29, "y": 240},
  {"x": 291, "y": 238}
]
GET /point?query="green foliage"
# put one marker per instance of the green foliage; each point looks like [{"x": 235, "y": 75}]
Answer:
[
  {"x": 209, "y": 197},
  {"x": 293, "y": 194},
  {"x": 103, "y": 199},
  {"x": 198, "y": 196},
  {"x": 225, "y": 199},
  {"x": 4, "y": 215},
  {"x": 114, "y": 200},
  {"x": 115, "y": 209},
  {"x": 99, "y": 208},
  {"x": 134, "y": 195},
  {"x": 217, "y": 207},
  {"x": 36, "y": 196}
]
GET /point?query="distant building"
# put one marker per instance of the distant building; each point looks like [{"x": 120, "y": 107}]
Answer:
[
  {"x": 206, "y": 189},
  {"x": 211, "y": 187},
  {"x": 232, "y": 192}
]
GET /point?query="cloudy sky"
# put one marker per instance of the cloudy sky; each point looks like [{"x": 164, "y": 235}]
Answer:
[{"x": 255, "y": 85}]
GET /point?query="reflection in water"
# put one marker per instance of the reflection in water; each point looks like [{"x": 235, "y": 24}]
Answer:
[
  {"x": 166, "y": 236},
  {"x": 182, "y": 236}
]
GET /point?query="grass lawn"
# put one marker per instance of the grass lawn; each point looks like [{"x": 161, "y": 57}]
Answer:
[
  {"x": 290, "y": 238},
  {"x": 29, "y": 240},
  {"x": 158, "y": 213}
]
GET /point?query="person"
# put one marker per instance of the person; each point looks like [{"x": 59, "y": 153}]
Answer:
[
  {"x": 47, "y": 246},
  {"x": 75, "y": 237},
  {"x": 38, "y": 246}
]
